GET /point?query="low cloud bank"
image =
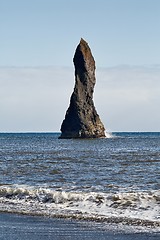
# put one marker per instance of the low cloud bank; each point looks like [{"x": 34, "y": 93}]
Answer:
[{"x": 127, "y": 98}]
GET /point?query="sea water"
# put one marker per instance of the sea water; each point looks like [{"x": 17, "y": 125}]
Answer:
[{"x": 114, "y": 180}]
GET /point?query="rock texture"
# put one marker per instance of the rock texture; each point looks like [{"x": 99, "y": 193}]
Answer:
[{"x": 81, "y": 119}]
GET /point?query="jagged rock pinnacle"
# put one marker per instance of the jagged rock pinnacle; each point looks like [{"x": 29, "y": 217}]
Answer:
[{"x": 81, "y": 119}]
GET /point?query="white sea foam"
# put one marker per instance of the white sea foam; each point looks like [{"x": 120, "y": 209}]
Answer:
[
  {"x": 131, "y": 208},
  {"x": 109, "y": 134}
]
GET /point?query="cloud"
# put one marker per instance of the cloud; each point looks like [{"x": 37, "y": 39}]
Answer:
[
  {"x": 128, "y": 97},
  {"x": 35, "y": 99}
]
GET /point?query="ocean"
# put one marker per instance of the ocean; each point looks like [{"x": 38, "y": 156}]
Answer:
[{"x": 113, "y": 180}]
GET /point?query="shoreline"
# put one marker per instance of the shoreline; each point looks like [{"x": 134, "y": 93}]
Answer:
[{"x": 16, "y": 226}]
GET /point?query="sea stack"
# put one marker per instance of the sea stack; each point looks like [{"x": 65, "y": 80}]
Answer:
[{"x": 81, "y": 119}]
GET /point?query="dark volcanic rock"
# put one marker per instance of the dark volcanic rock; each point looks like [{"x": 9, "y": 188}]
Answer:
[{"x": 81, "y": 119}]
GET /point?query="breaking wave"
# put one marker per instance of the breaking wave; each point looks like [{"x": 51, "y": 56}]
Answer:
[
  {"x": 135, "y": 208},
  {"x": 109, "y": 135}
]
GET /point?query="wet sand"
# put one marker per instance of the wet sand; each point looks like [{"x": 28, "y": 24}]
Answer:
[{"x": 21, "y": 227}]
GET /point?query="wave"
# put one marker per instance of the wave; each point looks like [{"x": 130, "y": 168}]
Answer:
[
  {"x": 109, "y": 135},
  {"x": 135, "y": 208}
]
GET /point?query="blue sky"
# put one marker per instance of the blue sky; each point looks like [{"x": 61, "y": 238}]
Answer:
[
  {"x": 38, "y": 41},
  {"x": 45, "y": 32}
]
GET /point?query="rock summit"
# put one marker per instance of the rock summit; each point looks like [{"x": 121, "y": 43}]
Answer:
[{"x": 81, "y": 119}]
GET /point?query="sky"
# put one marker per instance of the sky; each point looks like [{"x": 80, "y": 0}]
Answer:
[{"x": 38, "y": 41}]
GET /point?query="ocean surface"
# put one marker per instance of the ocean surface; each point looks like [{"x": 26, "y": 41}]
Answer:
[{"x": 113, "y": 180}]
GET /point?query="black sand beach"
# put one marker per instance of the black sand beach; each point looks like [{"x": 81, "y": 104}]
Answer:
[{"x": 18, "y": 227}]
